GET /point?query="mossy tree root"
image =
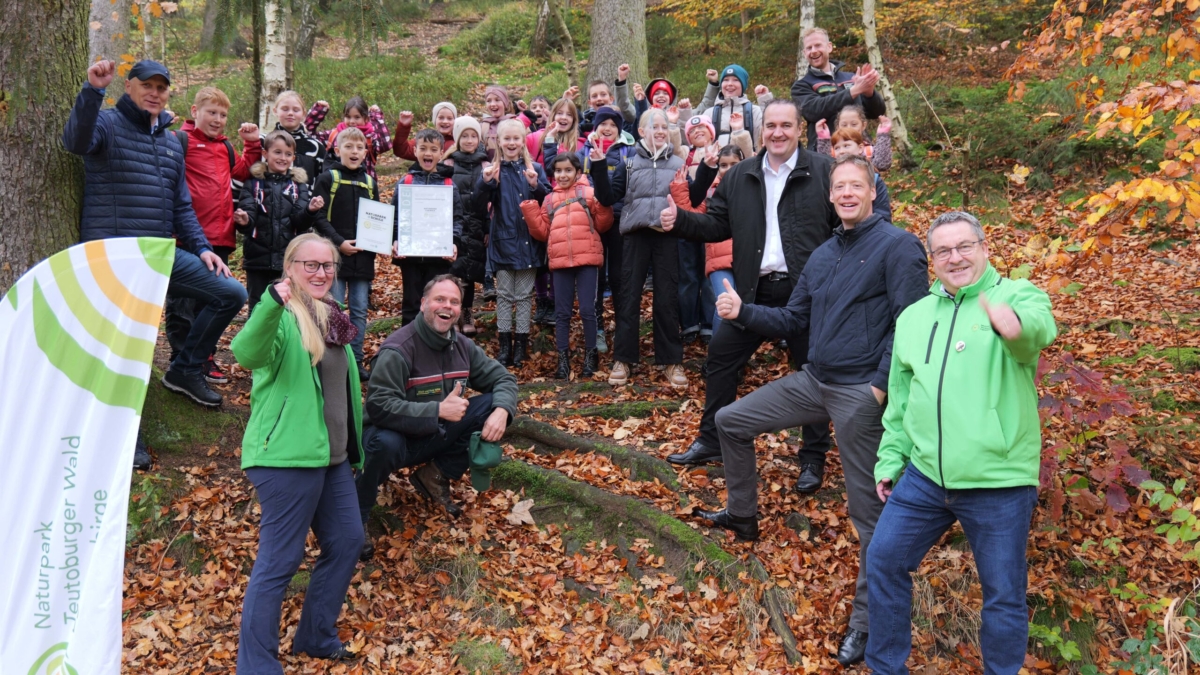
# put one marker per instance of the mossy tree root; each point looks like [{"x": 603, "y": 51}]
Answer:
[{"x": 641, "y": 465}]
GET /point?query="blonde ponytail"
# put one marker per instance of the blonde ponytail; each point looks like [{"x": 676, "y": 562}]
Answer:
[{"x": 312, "y": 316}]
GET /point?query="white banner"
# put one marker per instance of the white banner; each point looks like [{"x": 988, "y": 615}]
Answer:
[{"x": 77, "y": 337}]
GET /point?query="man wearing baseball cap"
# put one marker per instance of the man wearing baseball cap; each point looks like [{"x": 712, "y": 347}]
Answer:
[{"x": 134, "y": 186}]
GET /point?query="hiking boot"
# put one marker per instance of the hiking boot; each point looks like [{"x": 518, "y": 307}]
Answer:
[
  {"x": 676, "y": 376},
  {"x": 504, "y": 356},
  {"x": 213, "y": 374},
  {"x": 591, "y": 361},
  {"x": 368, "y": 550},
  {"x": 435, "y": 487},
  {"x": 564, "y": 365},
  {"x": 601, "y": 345},
  {"x": 364, "y": 375},
  {"x": 690, "y": 334},
  {"x": 192, "y": 386},
  {"x": 520, "y": 349},
  {"x": 489, "y": 290},
  {"x": 619, "y": 374},
  {"x": 466, "y": 323}
]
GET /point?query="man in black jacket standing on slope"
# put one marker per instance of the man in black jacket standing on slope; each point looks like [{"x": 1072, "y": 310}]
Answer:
[
  {"x": 825, "y": 89},
  {"x": 848, "y": 298},
  {"x": 776, "y": 208}
]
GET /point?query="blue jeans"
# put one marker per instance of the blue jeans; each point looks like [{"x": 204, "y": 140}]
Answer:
[
  {"x": 716, "y": 282},
  {"x": 220, "y": 298},
  {"x": 360, "y": 297},
  {"x": 996, "y": 522},
  {"x": 294, "y": 501},
  {"x": 696, "y": 301},
  {"x": 387, "y": 450}
]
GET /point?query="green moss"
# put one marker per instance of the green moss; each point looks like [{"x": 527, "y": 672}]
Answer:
[
  {"x": 1184, "y": 359},
  {"x": 172, "y": 423},
  {"x": 384, "y": 326},
  {"x": 150, "y": 496},
  {"x": 626, "y": 409},
  {"x": 476, "y": 656}
]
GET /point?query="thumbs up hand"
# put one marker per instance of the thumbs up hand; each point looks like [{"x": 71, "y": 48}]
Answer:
[
  {"x": 667, "y": 217},
  {"x": 453, "y": 407},
  {"x": 729, "y": 303}
]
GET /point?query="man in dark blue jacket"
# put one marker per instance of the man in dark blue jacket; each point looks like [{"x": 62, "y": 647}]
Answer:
[
  {"x": 134, "y": 186},
  {"x": 847, "y": 299},
  {"x": 825, "y": 89}
]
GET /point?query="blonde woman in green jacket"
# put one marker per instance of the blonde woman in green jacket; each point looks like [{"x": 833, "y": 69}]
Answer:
[
  {"x": 303, "y": 437},
  {"x": 962, "y": 425}
]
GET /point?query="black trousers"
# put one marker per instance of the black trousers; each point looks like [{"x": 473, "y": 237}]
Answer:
[
  {"x": 257, "y": 282},
  {"x": 610, "y": 271},
  {"x": 641, "y": 247},
  {"x": 414, "y": 274},
  {"x": 729, "y": 352},
  {"x": 180, "y": 311}
]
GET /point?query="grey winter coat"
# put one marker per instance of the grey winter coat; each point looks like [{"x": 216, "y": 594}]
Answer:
[{"x": 643, "y": 181}]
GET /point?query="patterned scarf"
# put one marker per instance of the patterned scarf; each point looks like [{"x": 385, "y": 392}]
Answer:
[{"x": 340, "y": 331}]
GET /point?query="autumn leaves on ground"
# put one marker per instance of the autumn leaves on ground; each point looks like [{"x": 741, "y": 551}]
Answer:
[{"x": 584, "y": 557}]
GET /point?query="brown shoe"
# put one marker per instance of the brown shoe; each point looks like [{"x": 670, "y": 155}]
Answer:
[
  {"x": 619, "y": 374},
  {"x": 676, "y": 376},
  {"x": 435, "y": 487}
]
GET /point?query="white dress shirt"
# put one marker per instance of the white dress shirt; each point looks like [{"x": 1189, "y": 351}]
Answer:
[{"x": 774, "y": 181}]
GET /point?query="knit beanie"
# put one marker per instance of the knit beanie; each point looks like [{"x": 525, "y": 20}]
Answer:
[
  {"x": 502, "y": 93},
  {"x": 463, "y": 123},
  {"x": 607, "y": 113},
  {"x": 699, "y": 121},
  {"x": 738, "y": 72},
  {"x": 663, "y": 84},
  {"x": 444, "y": 105}
]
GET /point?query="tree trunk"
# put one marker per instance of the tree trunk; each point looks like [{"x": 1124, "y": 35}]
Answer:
[
  {"x": 109, "y": 25},
  {"x": 306, "y": 31},
  {"x": 568, "y": 45},
  {"x": 256, "y": 55},
  {"x": 208, "y": 32},
  {"x": 275, "y": 58},
  {"x": 745, "y": 17},
  {"x": 144, "y": 24},
  {"x": 808, "y": 19},
  {"x": 42, "y": 62},
  {"x": 537, "y": 48},
  {"x": 899, "y": 131},
  {"x": 618, "y": 36}
]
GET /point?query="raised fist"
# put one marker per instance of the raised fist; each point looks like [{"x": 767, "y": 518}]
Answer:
[
  {"x": 248, "y": 131},
  {"x": 712, "y": 76},
  {"x": 623, "y": 72},
  {"x": 406, "y": 118},
  {"x": 101, "y": 74}
]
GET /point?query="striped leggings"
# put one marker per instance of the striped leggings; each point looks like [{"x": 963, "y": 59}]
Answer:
[{"x": 514, "y": 288}]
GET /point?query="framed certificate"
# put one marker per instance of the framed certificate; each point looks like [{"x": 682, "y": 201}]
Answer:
[
  {"x": 425, "y": 220},
  {"x": 375, "y": 226}
]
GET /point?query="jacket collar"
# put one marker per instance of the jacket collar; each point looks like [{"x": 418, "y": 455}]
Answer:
[
  {"x": 466, "y": 161},
  {"x": 860, "y": 229},
  {"x": 298, "y": 132},
  {"x": 756, "y": 167},
  {"x": 987, "y": 280},
  {"x": 189, "y": 127},
  {"x": 139, "y": 117},
  {"x": 837, "y": 66},
  {"x": 431, "y": 338},
  {"x": 348, "y": 173}
]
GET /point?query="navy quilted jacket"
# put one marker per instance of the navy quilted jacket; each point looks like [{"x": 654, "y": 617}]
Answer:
[{"x": 134, "y": 182}]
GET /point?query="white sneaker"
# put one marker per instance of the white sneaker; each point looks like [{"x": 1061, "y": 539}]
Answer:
[
  {"x": 619, "y": 374},
  {"x": 676, "y": 376}
]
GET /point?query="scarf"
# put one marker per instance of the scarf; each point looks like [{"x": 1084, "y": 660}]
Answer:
[{"x": 340, "y": 331}]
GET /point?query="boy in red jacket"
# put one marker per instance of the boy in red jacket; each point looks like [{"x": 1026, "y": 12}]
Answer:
[{"x": 211, "y": 164}]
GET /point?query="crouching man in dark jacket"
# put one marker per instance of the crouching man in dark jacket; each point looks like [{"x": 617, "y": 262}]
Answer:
[
  {"x": 847, "y": 299},
  {"x": 415, "y": 413}
]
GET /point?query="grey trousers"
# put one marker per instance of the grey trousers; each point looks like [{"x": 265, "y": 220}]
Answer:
[
  {"x": 514, "y": 290},
  {"x": 797, "y": 400}
]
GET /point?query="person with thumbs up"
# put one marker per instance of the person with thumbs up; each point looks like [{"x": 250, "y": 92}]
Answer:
[{"x": 416, "y": 412}]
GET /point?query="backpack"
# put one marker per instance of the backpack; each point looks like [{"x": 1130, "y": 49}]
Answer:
[
  {"x": 577, "y": 199},
  {"x": 337, "y": 180},
  {"x": 747, "y": 115},
  {"x": 235, "y": 186},
  {"x": 408, "y": 180}
]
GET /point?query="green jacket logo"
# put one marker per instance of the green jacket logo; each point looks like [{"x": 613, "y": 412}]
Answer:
[{"x": 53, "y": 662}]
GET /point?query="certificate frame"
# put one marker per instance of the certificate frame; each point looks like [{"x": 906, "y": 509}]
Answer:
[{"x": 425, "y": 221}]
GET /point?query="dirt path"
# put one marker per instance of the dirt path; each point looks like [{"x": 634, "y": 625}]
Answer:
[{"x": 425, "y": 35}]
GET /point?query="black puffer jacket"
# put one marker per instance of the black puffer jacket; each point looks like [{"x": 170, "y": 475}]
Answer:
[
  {"x": 738, "y": 210},
  {"x": 338, "y": 218},
  {"x": 278, "y": 208},
  {"x": 472, "y": 254},
  {"x": 310, "y": 151}
]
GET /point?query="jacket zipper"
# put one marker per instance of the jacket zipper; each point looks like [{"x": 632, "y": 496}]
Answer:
[
  {"x": 941, "y": 379},
  {"x": 929, "y": 349},
  {"x": 276, "y": 425}
]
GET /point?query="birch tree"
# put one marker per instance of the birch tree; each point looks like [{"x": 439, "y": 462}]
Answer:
[
  {"x": 875, "y": 56},
  {"x": 277, "y": 55}
]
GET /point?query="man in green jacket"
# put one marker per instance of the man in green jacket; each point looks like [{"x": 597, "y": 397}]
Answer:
[
  {"x": 415, "y": 413},
  {"x": 962, "y": 425}
]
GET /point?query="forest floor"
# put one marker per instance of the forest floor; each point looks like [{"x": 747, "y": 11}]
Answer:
[{"x": 606, "y": 571}]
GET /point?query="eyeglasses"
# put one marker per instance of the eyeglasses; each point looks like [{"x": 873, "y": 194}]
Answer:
[
  {"x": 964, "y": 249},
  {"x": 311, "y": 266}
]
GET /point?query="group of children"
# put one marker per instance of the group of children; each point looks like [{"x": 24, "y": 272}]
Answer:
[{"x": 550, "y": 200}]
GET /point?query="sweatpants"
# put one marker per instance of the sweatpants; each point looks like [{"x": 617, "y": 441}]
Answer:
[
  {"x": 569, "y": 283},
  {"x": 797, "y": 400},
  {"x": 514, "y": 288},
  {"x": 293, "y": 501},
  {"x": 414, "y": 274},
  {"x": 641, "y": 247}
]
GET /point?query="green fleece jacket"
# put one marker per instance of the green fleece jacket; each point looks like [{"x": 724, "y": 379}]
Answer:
[
  {"x": 287, "y": 407},
  {"x": 962, "y": 404},
  {"x": 416, "y": 368}
]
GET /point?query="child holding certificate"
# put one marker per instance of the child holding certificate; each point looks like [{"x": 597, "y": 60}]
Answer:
[
  {"x": 513, "y": 178},
  {"x": 415, "y": 271},
  {"x": 571, "y": 221},
  {"x": 343, "y": 183}
]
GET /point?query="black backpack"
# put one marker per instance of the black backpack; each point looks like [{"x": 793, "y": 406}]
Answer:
[{"x": 235, "y": 186}]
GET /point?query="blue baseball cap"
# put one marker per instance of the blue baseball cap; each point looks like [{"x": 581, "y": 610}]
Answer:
[{"x": 146, "y": 69}]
